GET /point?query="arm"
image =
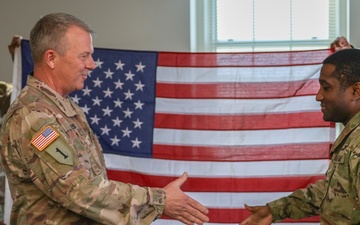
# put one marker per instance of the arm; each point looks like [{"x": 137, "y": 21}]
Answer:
[
  {"x": 300, "y": 204},
  {"x": 74, "y": 186},
  {"x": 69, "y": 181}
]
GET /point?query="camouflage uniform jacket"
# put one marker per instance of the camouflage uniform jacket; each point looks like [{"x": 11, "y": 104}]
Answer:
[
  {"x": 56, "y": 170},
  {"x": 335, "y": 199}
]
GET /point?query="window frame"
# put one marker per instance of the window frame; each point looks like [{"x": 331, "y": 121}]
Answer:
[{"x": 202, "y": 31}]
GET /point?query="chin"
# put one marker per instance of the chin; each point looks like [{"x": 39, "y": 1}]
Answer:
[
  {"x": 80, "y": 86},
  {"x": 327, "y": 119}
]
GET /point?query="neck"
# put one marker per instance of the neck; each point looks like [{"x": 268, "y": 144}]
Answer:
[{"x": 47, "y": 77}]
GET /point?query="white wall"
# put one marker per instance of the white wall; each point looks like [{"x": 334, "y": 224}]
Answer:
[
  {"x": 354, "y": 29},
  {"x": 161, "y": 25}
]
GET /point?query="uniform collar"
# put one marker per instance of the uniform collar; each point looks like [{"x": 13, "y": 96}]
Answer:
[
  {"x": 66, "y": 105},
  {"x": 350, "y": 126}
]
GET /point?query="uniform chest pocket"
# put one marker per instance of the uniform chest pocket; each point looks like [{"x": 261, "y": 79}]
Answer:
[
  {"x": 339, "y": 180},
  {"x": 336, "y": 162},
  {"x": 338, "y": 159}
]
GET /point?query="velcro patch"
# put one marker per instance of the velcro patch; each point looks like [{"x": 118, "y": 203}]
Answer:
[
  {"x": 44, "y": 138},
  {"x": 60, "y": 152}
]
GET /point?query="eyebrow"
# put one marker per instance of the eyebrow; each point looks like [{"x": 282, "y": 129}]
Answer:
[{"x": 322, "y": 81}]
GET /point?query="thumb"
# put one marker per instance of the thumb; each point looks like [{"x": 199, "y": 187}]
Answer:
[
  {"x": 249, "y": 208},
  {"x": 181, "y": 180}
]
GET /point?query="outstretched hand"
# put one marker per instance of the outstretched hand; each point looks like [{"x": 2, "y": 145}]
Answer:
[
  {"x": 260, "y": 215},
  {"x": 182, "y": 207}
]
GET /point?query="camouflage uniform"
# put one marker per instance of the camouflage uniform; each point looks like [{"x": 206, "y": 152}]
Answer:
[
  {"x": 63, "y": 180},
  {"x": 5, "y": 95},
  {"x": 335, "y": 199}
]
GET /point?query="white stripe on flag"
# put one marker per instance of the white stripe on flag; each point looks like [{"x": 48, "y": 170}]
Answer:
[
  {"x": 242, "y": 137},
  {"x": 216, "y": 169},
  {"x": 236, "y": 74},
  {"x": 235, "y": 200},
  {"x": 236, "y": 106},
  {"x": 173, "y": 222}
]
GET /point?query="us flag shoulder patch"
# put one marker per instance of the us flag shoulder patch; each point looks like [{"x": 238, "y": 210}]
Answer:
[{"x": 44, "y": 138}]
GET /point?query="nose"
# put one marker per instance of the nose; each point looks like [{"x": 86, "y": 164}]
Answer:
[
  {"x": 90, "y": 64},
  {"x": 319, "y": 97}
]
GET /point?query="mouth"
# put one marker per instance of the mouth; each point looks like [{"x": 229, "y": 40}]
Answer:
[{"x": 322, "y": 107}]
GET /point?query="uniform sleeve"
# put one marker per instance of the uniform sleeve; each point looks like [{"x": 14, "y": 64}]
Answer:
[
  {"x": 354, "y": 165},
  {"x": 300, "y": 204},
  {"x": 56, "y": 170}
]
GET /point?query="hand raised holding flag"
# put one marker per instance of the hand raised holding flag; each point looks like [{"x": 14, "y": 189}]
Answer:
[
  {"x": 339, "y": 44},
  {"x": 15, "y": 42},
  {"x": 182, "y": 207}
]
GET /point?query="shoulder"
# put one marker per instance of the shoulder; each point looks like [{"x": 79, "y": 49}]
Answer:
[{"x": 27, "y": 115}]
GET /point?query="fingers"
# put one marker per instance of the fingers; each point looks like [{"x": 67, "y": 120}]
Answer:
[
  {"x": 339, "y": 44},
  {"x": 188, "y": 221},
  {"x": 258, "y": 215},
  {"x": 198, "y": 206},
  {"x": 15, "y": 42},
  {"x": 182, "y": 207},
  {"x": 192, "y": 216},
  {"x": 247, "y": 220},
  {"x": 195, "y": 204},
  {"x": 194, "y": 211}
]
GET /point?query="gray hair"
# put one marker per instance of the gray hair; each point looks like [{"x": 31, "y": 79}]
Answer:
[{"x": 49, "y": 33}]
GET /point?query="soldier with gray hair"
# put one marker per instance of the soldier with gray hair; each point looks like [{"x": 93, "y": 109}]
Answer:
[
  {"x": 53, "y": 161},
  {"x": 336, "y": 198}
]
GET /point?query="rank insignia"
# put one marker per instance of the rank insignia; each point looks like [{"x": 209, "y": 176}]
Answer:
[{"x": 44, "y": 138}]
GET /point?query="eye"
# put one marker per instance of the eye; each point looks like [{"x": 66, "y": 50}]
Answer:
[{"x": 84, "y": 56}]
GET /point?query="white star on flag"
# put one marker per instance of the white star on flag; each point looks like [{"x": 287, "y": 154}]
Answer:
[{"x": 140, "y": 67}]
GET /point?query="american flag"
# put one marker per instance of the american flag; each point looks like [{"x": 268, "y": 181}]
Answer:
[
  {"x": 245, "y": 126},
  {"x": 45, "y": 138}
]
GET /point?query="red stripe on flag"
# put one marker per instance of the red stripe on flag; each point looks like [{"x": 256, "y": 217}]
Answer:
[
  {"x": 237, "y": 215},
  {"x": 218, "y": 184},
  {"x": 231, "y": 215},
  {"x": 243, "y": 153},
  {"x": 241, "y": 122},
  {"x": 238, "y": 90},
  {"x": 258, "y": 59}
]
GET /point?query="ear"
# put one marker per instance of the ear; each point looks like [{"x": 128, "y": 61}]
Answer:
[
  {"x": 50, "y": 58},
  {"x": 356, "y": 90}
]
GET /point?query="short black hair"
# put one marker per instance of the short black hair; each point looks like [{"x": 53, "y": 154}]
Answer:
[{"x": 347, "y": 66}]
